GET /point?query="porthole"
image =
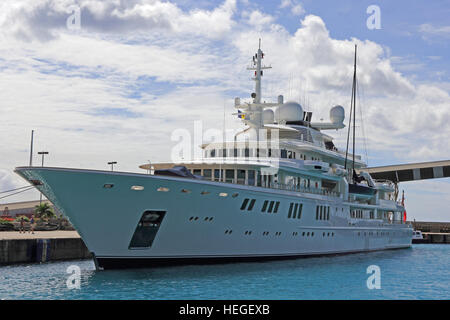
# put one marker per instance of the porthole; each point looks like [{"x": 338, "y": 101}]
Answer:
[
  {"x": 185, "y": 191},
  {"x": 137, "y": 188},
  {"x": 196, "y": 218},
  {"x": 106, "y": 185},
  {"x": 205, "y": 192},
  {"x": 223, "y": 194},
  {"x": 234, "y": 195},
  {"x": 162, "y": 189}
]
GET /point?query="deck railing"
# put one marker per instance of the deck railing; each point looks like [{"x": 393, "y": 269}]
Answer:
[{"x": 282, "y": 186}]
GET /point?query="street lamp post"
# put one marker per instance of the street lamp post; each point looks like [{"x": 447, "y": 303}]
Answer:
[
  {"x": 112, "y": 163},
  {"x": 42, "y": 153}
]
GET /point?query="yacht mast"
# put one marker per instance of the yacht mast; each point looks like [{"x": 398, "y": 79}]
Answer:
[
  {"x": 352, "y": 115},
  {"x": 354, "y": 110}
]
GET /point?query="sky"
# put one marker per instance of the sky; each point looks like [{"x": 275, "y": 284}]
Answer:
[{"x": 114, "y": 82}]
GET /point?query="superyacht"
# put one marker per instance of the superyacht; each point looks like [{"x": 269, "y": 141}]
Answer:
[{"x": 279, "y": 189}]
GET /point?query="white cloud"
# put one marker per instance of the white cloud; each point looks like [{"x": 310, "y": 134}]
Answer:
[
  {"x": 43, "y": 19},
  {"x": 296, "y": 7},
  {"x": 430, "y": 30}
]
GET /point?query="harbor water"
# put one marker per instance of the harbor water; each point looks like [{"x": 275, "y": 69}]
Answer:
[{"x": 420, "y": 272}]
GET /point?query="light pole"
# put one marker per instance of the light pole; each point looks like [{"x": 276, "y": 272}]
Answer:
[
  {"x": 43, "y": 153},
  {"x": 112, "y": 163}
]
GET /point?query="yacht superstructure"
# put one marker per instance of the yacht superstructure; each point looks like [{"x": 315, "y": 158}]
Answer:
[{"x": 279, "y": 189}]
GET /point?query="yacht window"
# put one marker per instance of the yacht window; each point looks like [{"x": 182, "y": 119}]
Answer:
[
  {"x": 257, "y": 152},
  {"x": 269, "y": 153},
  {"x": 289, "y": 154},
  {"x": 241, "y": 176},
  {"x": 300, "y": 211},
  {"x": 207, "y": 174},
  {"x": 264, "y": 206},
  {"x": 213, "y": 153},
  {"x": 247, "y": 152},
  {"x": 162, "y": 189},
  {"x": 223, "y": 194},
  {"x": 197, "y": 172},
  {"x": 295, "y": 211},
  {"x": 317, "y": 212},
  {"x": 251, "y": 177},
  {"x": 224, "y": 153},
  {"x": 277, "y": 204},
  {"x": 290, "y": 210},
  {"x": 229, "y": 175},
  {"x": 252, "y": 203},
  {"x": 283, "y": 153},
  {"x": 244, "y": 204},
  {"x": 235, "y": 152},
  {"x": 270, "y": 206},
  {"x": 217, "y": 174},
  {"x": 137, "y": 188}
]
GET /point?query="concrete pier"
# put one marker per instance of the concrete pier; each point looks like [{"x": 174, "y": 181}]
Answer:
[
  {"x": 41, "y": 246},
  {"x": 433, "y": 237}
]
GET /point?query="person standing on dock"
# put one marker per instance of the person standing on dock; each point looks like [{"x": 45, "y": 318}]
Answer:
[{"x": 32, "y": 224}]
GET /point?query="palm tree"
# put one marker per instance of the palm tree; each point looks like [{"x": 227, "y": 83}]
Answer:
[{"x": 44, "y": 211}]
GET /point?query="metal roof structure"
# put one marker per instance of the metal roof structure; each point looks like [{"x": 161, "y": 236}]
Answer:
[{"x": 411, "y": 171}]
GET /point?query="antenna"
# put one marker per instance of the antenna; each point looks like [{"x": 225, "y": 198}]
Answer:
[{"x": 31, "y": 149}]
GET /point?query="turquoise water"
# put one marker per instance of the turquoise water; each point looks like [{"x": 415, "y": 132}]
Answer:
[{"x": 417, "y": 273}]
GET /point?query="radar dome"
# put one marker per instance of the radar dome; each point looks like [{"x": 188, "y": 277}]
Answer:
[
  {"x": 289, "y": 111},
  {"x": 268, "y": 116},
  {"x": 337, "y": 114}
]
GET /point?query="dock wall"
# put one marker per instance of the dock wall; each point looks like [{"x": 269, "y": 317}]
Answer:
[{"x": 42, "y": 250}]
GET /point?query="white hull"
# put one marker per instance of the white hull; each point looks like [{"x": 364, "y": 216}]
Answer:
[{"x": 106, "y": 219}]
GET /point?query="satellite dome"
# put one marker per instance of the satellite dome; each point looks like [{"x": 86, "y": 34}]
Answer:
[
  {"x": 268, "y": 116},
  {"x": 337, "y": 114},
  {"x": 289, "y": 111}
]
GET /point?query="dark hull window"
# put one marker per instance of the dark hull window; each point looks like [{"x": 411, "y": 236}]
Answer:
[
  {"x": 264, "y": 206},
  {"x": 146, "y": 229},
  {"x": 252, "y": 203}
]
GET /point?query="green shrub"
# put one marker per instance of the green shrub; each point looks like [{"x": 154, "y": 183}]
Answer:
[
  {"x": 25, "y": 218},
  {"x": 5, "y": 222}
]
